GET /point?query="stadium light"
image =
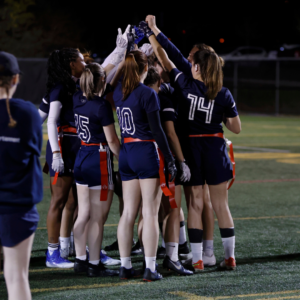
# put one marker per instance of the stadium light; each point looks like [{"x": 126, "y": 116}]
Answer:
[{"x": 221, "y": 40}]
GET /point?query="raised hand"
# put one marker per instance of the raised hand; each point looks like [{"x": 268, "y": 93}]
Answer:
[
  {"x": 151, "y": 20},
  {"x": 143, "y": 26}
]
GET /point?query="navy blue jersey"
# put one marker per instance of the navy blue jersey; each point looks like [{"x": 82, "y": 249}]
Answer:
[
  {"x": 44, "y": 106},
  {"x": 21, "y": 181},
  {"x": 60, "y": 93},
  {"x": 175, "y": 55},
  {"x": 91, "y": 116},
  {"x": 132, "y": 112},
  {"x": 199, "y": 115},
  {"x": 167, "y": 111}
]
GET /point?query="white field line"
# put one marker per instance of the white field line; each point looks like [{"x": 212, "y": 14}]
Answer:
[{"x": 261, "y": 149}]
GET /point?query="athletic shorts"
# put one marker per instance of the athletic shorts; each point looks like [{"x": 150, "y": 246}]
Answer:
[
  {"x": 17, "y": 227},
  {"x": 138, "y": 160},
  {"x": 87, "y": 167},
  {"x": 208, "y": 160},
  {"x": 70, "y": 147}
]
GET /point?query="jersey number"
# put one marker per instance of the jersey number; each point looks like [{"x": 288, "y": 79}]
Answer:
[
  {"x": 199, "y": 104},
  {"x": 126, "y": 120},
  {"x": 81, "y": 123}
]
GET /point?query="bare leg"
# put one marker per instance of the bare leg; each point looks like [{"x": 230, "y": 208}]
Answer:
[
  {"x": 151, "y": 195},
  {"x": 80, "y": 238},
  {"x": 207, "y": 216},
  {"x": 98, "y": 215},
  {"x": 59, "y": 197},
  {"x": 16, "y": 269},
  {"x": 132, "y": 200}
]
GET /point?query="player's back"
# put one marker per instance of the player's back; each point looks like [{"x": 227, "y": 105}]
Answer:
[
  {"x": 198, "y": 114},
  {"x": 20, "y": 147},
  {"x": 132, "y": 111},
  {"x": 90, "y": 117}
]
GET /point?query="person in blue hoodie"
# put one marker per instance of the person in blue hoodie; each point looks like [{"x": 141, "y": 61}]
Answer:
[{"x": 21, "y": 182}]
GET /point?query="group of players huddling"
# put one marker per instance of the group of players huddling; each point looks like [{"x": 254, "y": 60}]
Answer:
[{"x": 170, "y": 111}]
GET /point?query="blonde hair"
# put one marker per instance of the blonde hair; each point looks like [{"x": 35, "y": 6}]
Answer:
[
  {"x": 211, "y": 71},
  {"x": 92, "y": 80},
  {"x": 5, "y": 82}
]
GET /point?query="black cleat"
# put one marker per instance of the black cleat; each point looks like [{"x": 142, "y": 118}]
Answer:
[
  {"x": 114, "y": 246},
  {"x": 176, "y": 267},
  {"x": 80, "y": 266},
  {"x": 183, "y": 248},
  {"x": 137, "y": 249},
  {"x": 151, "y": 276},
  {"x": 129, "y": 273},
  {"x": 100, "y": 271},
  {"x": 161, "y": 252}
]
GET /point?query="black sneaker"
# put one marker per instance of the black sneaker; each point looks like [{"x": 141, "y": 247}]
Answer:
[
  {"x": 176, "y": 267},
  {"x": 184, "y": 251},
  {"x": 114, "y": 246},
  {"x": 80, "y": 266},
  {"x": 151, "y": 276},
  {"x": 161, "y": 252},
  {"x": 100, "y": 271},
  {"x": 137, "y": 249},
  {"x": 128, "y": 273}
]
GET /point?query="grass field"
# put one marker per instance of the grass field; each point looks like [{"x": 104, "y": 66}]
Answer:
[{"x": 265, "y": 204}]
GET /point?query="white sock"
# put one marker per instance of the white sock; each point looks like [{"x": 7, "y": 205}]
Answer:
[
  {"x": 52, "y": 247},
  {"x": 182, "y": 235},
  {"x": 163, "y": 242},
  {"x": 64, "y": 242},
  {"x": 82, "y": 257},
  {"x": 150, "y": 263},
  {"x": 94, "y": 262},
  {"x": 196, "y": 251},
  {"x": 208, "y": 247},
  {"x": 126, "y": 262},
  {"x": 229, "y": 245},
  {"x": 172, "y": 251}
]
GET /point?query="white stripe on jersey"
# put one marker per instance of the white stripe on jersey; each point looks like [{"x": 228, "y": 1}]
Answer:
[
  {"x": 45, "y": 101},
  {"x": 233, "y": 105},
  {"x": 169, "y": 109},
  {"x": 166, "y": 86},
  {"x": 177, "y": 76}
]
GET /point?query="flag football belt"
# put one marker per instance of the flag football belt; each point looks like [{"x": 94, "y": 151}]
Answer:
[
  {"x": 61, "y": 130},
  {"x": 103, "y": 168},
  {"x": 168, "y": 191},
  {"x": 229, "y": 143}
]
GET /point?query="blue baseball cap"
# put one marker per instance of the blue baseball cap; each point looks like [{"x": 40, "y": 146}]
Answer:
[{"x": 8, "y": 64}]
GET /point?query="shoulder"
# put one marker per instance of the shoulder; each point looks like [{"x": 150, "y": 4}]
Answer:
[
  {"x": 57, "y": 91},
  {"x": 145, "y": 90},
  {"x": 225, "y": 94},
  {"x": 29, "y": 113}
]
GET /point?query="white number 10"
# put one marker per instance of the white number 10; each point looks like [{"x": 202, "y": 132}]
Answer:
[{"x": 199, "y": 103}]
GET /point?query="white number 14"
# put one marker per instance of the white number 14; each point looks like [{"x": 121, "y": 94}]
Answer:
[{"x": 199, "y": 103}]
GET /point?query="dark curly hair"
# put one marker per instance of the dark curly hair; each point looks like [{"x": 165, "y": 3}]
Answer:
[{"x": 59, "y": 70}]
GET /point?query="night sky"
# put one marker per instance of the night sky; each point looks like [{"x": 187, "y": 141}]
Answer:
[{"x": 93, "y": 24}]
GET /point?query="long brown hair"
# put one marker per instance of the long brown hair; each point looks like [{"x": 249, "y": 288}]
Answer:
[
  {"x": 202, "y": 47},
  {"x": 5, "y": 82},
  {"x": 134, "y": 66},
  {"x": 211, "y": 71},
  {"x": 92, "y": 80}
]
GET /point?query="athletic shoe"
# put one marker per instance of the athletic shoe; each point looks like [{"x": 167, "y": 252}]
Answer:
[
  {"x": 80, "y": 266},
  {"x": 208, "y": 261},
  {"x": 161, "y": 252},
  {"x": 100, "y": 271},
  {"x": 114, "y": 246},
  {"x": 108, "y": 261},
  {"x": 176, "y": 267},
  {"x": 184, "y": 251},
  {"x": 198, "y": 266},
  {"x": 229, "y": 263},
  {"x": 64, "y": 252},
  {"x": 54, "y": 260},
  {"x": 151, "y": 276},
  {"x": 128, "y": 273},
  {"x": 137, "y": 249}
]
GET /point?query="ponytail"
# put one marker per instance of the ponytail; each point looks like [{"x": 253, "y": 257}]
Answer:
[
  {"x": 134, "y": 66},
  {"x": 92, "y": 80},
  {"x": 5, "y": 83},
  {"x": 211, "y": 71}
]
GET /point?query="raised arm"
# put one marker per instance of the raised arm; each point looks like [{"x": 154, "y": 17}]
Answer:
[{"x": 173, "y": 52}]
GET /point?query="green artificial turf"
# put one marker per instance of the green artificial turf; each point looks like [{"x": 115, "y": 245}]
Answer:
[{"x": 267, "y": 226}]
